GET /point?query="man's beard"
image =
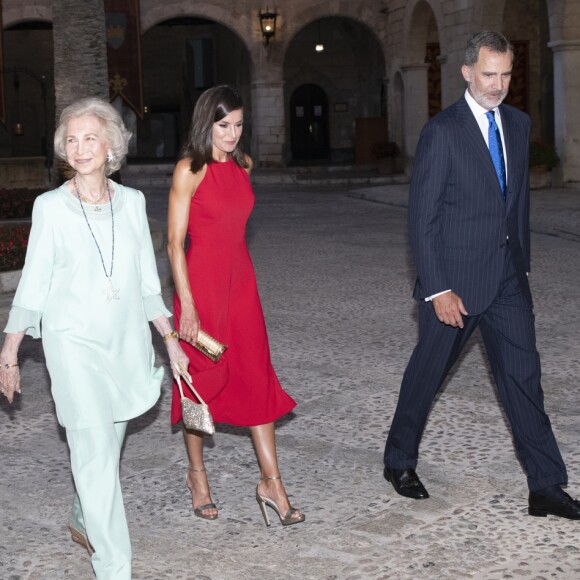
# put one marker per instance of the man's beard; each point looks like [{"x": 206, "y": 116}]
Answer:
[{"x": 488, "y": 100}]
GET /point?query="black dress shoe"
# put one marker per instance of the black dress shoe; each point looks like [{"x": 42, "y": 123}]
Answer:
[
  {"x": 406, "y": 482},
  {"x": 561, "y": 505}
]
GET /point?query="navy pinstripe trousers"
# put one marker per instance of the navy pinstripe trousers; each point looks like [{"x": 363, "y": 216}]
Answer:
[{"x": 507, "y": 329}]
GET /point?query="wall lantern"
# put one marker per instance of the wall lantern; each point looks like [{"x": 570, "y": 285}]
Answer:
[{"x": 268, "y": 25}]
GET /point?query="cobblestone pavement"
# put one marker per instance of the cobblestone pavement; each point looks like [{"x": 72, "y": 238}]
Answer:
[{"x": 335, "y": 278}]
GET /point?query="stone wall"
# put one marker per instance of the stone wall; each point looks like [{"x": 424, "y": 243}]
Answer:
[{"x": 376, "y": 44}]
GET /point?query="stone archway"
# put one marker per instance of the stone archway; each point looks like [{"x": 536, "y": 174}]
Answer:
[
  {"x": 349, "y": 48},
  {"x": 525, "y": 23},
  {"x": 421, "y": 71},
  {"x": 397, "y": 131},
  {"x": 28, "y": 89},
  {"x": 17, "y": 12},
  {"x": 422, "y": 25},
  {"x": 553, "y": 103},
  {"x": 181, "y": 58}
]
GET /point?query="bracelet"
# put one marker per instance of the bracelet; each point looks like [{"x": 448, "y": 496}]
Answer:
[
  {"x": 172, "y": 334},
  {"x": 9, "y": 366}
]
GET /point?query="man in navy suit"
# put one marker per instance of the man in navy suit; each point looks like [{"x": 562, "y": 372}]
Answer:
[{"x": 470, "y": 236}]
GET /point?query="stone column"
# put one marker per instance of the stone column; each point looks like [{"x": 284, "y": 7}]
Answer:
[
  {"x": 268, "y": 128},
  {"x": 446, "y": 90},
  {"x": 566, "y": 99},
  {"x": 416, "y": 104},
  {"x": 80, "y": 51}
]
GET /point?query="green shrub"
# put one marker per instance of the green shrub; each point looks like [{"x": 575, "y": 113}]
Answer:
[{"x": 543, "y": 154}]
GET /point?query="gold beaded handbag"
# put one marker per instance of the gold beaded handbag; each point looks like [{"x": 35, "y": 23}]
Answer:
[{"x": 196, "y": 416}]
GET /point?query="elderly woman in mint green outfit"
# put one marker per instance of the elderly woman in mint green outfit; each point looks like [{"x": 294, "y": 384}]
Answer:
[{"x": 90, "y": 278}]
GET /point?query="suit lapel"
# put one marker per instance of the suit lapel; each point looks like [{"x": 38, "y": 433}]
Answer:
[
  {"x": 476, "y": 143},
  {"x": 510, "y": 139}
]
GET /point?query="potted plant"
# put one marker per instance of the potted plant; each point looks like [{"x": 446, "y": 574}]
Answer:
[
  {"x": 386, "y": 153},
  {"x": 543, "y": 158}
]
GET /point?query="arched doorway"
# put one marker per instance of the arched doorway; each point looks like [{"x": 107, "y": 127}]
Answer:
[
  {"x": 181, "y": 58},
  {"x": 339, "y": 61},
  {"x": 28, "y": 90},
  {"x": 526, "y": 24},
  {"x": 422, "y": 73},
  {"x": 309, "y": 123}
]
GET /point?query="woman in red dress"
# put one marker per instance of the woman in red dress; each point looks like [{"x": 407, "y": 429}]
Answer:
[{"x": 210, "y": 202}]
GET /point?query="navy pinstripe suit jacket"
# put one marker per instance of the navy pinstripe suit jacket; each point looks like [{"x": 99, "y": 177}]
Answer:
[{"x": 458, "y": 221}]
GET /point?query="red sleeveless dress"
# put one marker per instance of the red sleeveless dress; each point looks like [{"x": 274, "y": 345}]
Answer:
[{"x": 242, "y": 388}]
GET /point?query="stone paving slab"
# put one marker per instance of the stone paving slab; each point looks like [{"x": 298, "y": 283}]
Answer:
[
  {"x": 335, "y": 277},
  {"x": 552, "y": 211}
]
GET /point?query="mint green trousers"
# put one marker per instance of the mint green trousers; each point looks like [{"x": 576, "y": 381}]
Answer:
[{"x": 98, "y": 506}]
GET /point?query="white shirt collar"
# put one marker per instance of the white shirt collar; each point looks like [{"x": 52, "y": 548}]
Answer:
[
  {"x": 483, "y": 122},
  {"x": 476, "y": 108}
]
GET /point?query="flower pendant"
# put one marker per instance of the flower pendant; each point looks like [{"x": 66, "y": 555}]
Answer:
[{"x": 111, "y": 293}]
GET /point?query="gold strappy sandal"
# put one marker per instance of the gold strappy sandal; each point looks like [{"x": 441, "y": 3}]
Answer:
[
  {"x": 198, "y": 511},
  {"x": 288, "y": 518}
]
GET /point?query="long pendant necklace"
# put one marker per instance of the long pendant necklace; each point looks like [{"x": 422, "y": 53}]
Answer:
[{"x": 111, "y": 293}]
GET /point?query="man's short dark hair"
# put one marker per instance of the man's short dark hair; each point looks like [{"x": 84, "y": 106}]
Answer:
[{"x": 494, "y": 41}]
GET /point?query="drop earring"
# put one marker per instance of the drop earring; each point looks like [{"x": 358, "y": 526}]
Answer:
[{"x": 110, "y": 156}]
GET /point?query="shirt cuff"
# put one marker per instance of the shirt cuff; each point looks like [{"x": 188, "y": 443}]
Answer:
[
  {"x": 155, "y": 307},
  {"x": 429, "y": 298},
  {"x": 21, "y": 319}
]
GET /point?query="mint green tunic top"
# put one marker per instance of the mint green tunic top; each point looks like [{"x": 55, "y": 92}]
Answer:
[{"x": 97, "y": 346}]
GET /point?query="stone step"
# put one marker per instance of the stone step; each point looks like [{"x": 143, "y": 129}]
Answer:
[
  {"x": 325, "y": 178},
  {"x": 146, "y": 181},
  {"x": 166, "y": 167},
  {"x": 149, "y": 168},
  {"x": 158, "y": 175}
]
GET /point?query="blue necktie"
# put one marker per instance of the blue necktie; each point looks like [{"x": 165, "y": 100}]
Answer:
[{"x": 496, "y": 151}]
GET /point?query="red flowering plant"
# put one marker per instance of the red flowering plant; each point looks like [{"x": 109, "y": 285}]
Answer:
[
  {"x": 17, "y": 203},
  {"x": 13, "y": 244},
  {"x": 15, "y": 210}
]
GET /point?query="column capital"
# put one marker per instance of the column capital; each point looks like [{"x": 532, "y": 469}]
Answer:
[
  {"x": 267, "y": 84},
  {"x": 415, "y": 67},
  {"x": 564, "y": 45}
]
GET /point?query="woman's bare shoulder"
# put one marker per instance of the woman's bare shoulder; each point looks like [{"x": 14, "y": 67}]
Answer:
[{"x": 184, "y": 178}]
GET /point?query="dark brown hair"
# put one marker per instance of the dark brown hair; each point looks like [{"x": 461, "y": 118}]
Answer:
[
  {"x": 494, "y": 41},
  {"x": 212, "y": 106}
]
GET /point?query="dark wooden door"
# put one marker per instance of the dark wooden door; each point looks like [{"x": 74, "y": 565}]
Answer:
[{"x": 309, "y": 123}]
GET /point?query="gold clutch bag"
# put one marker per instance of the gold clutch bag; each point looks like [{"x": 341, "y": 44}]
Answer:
[{"x": 209, "y": 346}]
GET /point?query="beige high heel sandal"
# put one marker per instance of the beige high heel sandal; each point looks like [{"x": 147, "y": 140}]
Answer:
[
  {"x": 288, "y": 518},
  {"x": 80, "y": 538},
  {"x": 198, "y": 511}
]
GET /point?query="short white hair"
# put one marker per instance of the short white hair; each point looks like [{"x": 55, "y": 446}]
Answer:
[{"x": 118, "y": 136}]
